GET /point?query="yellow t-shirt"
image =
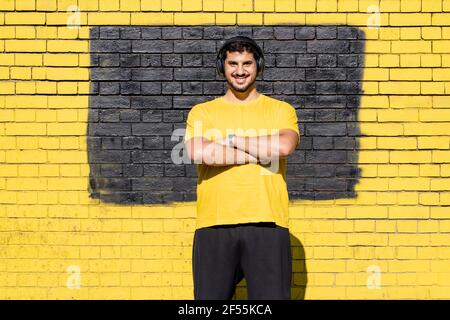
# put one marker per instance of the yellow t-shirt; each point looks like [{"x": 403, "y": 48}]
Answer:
[{"x": 248, "y": 192}]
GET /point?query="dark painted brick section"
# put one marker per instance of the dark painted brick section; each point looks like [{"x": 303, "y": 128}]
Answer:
[
  {"x": 326, "y": 74},
  {"x": 326, "y": 60},
  {"x": 111, "y": 170},
  {"x": 192, "y": 60},
  {"x": 285, "y": 60},
  {"x": 151, "y": 88},
  {"x": 152, "y": 74},
  {"x": 109, "y": 74},
  {"x": 347, "y": 60},
  {"x": 195, "y": 46},
  {"x": 111, "y": 115},
  {"x": 146, "y": 129},
  {"x": 110, "y": 157},
  {"x": 151, "y": 102},
  {"x": 326, "y": 129},
  {"x": 349, "y": 33},
  {"x": 145, "y": 80},
  {"x": 152, "y": 183},
  {"x": 288, "y": 46},
  {"x": 109, "y": 33},
  {"x": 110, "y": 88},
  {"x": 110, "y": 46},
  {"x": 130, "y": 115},
  {"x": 284, "y": 88},
  {"x": 328, "y": 46},
  {"x": 305, "y": 33},
  {"x": 112, "y": 143},
  {"x": 192, "y": 33},
  {"x": 263, "y": 33},
  {"x": 133, "y": 170},
  {"x": 171, "y": 88},
  {"x": 230, "y": 32},
  {"x": 171, "y": 60},
  {"x": 152, "y": 116},
  {"x": 284, "y": 33},
  {"x": 171, "y": 33},
  {"x": 130, "y": 88},
  {"x": 188, "y": 74},
  {"x": 109, "y": 60},
  {"x": 192, "y": 87},
  {"x": 154, "y": 156},
  {"x": 130, "y": 33},
  {"x": 153, "y": 142},
  {"x": 111, "y": 101},
  {"x": 153, "y": 170},
  {"x": 152, "y": 46},
  {"x": 285, "y": 74},
  {"x": 151, "y": 33},
  {"x": 150, "y": 60},
  {"x": 213, "y": 33},
  {"x": 326, "y": 32},
  {"x": 130, "y": 60},
  {"x": 132, "y": 142}
]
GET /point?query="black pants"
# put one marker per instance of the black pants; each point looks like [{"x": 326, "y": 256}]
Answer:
[{"x": 224, "y": 255}]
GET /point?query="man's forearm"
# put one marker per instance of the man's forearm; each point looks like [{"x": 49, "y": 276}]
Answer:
[
  {"x": 265, "y": 148},
  {"x": 215, "y": 154}
]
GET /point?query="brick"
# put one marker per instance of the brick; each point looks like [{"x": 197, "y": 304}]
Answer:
[
  {"x": 410, "y": 19},
  {"x": 250, "y": 18},
  {"x": 194, "y": 18},
  {"x": 213, "y": 5},
  {"x": 398, "y": 115},
  {"x": 245, "y": 5},
  {"x": 399, "y": 87},
  {"x": 441, "y": 74},
  {"x": 283, "y": 18},
  {"x": 433, "y": 142},
  {"x": 104, "y": 18},
  {"x": 23, "y": 18},
  {"x": 441, "y": 19},
  {"x": 285, "y": 5},
  {"x": 67, "y": 46},
  {"x": 225, "y": 18},
  {"x": 264, "y": 5},
  {"x": 25, "y": 45},
  {"x": 396, "y": 143},
  {"x": 411, "y": 46},
  {"x": 414, "y": 184},
  {"x": 152, "y": 18},
  {"x": 410, "y": 73},
  {"x": 410, "y": 102}
]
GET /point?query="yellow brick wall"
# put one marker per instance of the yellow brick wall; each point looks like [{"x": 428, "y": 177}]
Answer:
[{"x": 397, "y": 230}]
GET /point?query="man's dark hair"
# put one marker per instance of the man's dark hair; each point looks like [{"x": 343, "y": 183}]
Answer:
[{"x": 240, "y": 44}]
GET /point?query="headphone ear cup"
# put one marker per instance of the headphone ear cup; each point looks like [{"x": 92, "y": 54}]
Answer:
[
  {"x": 219, "y": 64},
  {"x": 260, "y": 65}
]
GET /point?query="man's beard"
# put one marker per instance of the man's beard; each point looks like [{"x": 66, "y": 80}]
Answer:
[{"x": 240, "y": 89}]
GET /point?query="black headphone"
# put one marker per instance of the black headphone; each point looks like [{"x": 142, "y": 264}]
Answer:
[{"x": 259, "y": 56}]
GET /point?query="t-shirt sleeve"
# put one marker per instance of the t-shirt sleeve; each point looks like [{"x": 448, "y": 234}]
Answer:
[
  {"x": 195, "y": 123},
  {"x": 287, "y": 118}
]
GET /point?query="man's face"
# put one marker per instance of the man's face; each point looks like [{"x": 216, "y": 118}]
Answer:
[{"x": 240, "y": 70}]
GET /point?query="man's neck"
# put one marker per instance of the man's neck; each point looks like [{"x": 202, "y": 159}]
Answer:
[{"x": 241, "y": 97}]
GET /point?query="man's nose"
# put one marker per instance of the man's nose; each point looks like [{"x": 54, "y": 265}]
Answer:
[{"x": 240, "y": 69}]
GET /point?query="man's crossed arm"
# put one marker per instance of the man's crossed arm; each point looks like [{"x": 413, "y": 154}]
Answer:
[{"x": 260, "y": 149}]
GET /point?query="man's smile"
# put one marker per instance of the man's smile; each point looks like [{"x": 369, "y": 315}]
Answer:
[{"x": 240, "y": 79}]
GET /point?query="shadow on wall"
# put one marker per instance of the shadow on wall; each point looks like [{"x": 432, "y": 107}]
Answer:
[
  {"x": 145, "y": 80},
  {"x": 299, "y": 274}
]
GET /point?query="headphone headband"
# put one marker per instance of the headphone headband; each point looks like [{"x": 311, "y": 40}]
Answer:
[{"x": 258, "y": 53}]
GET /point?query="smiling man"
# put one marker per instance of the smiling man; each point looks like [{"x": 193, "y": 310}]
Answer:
[{"x": 242, "y": 201}]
